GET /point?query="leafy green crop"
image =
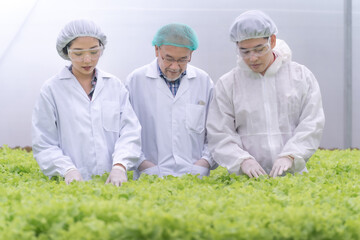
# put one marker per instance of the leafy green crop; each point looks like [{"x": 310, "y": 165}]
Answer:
[{"x": 321, "y": 204}]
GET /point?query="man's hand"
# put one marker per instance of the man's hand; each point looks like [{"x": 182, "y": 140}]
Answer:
[
  {"x": 117, "y": 176},
  {"x": 202, "y": 163},
  {"x": 145, "y": 165},
  {"x": 281, "y": 165},
  {"x": 73, "y": 175},
  {"x": 252, "y": 168}
]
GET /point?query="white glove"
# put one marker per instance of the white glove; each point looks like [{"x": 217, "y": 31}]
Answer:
[
  {"x": 145, "y": 165},
  {"x": 252, "y": 168},
  {"x": 281, "y": 165},
  {"x": 202, "y": 163},
  {"x": 117, "y": 176},
  {"x": 73, "y": 175}
]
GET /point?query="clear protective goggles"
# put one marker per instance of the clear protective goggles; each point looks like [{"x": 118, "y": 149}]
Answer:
[
  {"x": 257, "y": 51},
  {"x": 78, "y": 55}
]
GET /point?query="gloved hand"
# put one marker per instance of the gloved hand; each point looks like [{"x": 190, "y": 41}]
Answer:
[
  {"x": 202, "y": 163},
  {"x": 252, "y": 168},
  {"x": 145, "y": 165},
  {"x": 73, "y": 175},
  {"x": 281, "y": 165},
  {"x": 117, "y": 176}
]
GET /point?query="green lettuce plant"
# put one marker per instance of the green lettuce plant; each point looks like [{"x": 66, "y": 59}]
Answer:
[{"x": 321, "y": 204}]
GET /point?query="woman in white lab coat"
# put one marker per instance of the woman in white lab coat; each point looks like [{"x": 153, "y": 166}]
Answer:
[{"x": 83, "y": 123}]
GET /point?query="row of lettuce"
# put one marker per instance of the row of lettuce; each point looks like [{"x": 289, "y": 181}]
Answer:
[{"x": 321, "y": 204}]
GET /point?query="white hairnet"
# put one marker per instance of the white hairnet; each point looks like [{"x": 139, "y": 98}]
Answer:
[
  {"x": 252, "y": 24},
  {"x": 78, "y": 28}
]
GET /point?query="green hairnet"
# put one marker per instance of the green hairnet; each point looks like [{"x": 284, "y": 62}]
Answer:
[
  {"x": 178, "y": 35},
  {"x": 252, "y": 24},
  {"x": 78, "y": 28}
]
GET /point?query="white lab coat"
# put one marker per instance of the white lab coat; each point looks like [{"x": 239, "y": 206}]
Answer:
[
  {"x": 266, "y": 117},
  {"x": 72, "y": 131},
  {"x": 173, "y": 128}
]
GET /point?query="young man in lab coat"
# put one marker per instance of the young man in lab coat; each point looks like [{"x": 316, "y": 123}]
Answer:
[
  {"x": 171, "y": 99},
  {"x": 266, "y": 116}
]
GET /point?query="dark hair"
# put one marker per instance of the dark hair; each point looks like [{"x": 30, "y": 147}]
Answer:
[{"x": 65, "y": 49}]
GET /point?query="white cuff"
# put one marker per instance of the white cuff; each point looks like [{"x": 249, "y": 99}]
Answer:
[
  {"x": 69, "y": 170},
  {"x": 119, "y": 167}
]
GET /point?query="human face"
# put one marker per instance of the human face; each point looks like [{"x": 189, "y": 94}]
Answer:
[
  {"x": 257, "y": 53},
  {"x": 172, "y": 60},
  {"x": 84, "y": 55}
]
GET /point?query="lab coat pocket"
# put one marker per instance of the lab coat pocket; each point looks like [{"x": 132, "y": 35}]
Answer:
[
  {"x": 203, "y": 171},
  {"x": 195, "y": 117},
  {"x": 111, "y": 114}
]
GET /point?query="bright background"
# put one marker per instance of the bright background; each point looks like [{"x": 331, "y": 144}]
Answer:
[{"x": 314, "y": 30}]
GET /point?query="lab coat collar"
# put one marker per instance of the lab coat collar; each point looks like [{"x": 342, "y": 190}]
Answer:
[
  {"x": 152, "y": 72},
  {"x": 65, "y": 74},
  {"x": 101, "y": 76},
  {"x": 184, "y": 86},
  {"x": 283, "y": 54}
]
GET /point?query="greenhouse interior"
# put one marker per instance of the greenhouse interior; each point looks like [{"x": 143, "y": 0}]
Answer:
[{"x": 321, "y": 203}]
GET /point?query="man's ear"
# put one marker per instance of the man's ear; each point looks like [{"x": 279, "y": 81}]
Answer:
[
  {"x": 190, "y": 56},
  {"x": 157, "y": 49},
  {"x": 273, "y": 41}
]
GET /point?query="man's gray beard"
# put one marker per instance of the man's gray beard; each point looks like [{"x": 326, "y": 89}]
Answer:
[{"x": 172, "y": 80}]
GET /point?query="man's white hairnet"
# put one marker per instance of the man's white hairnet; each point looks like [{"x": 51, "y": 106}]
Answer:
[
  {"x": 252, "y": 24},
  {"x": 78, "y": 28}
]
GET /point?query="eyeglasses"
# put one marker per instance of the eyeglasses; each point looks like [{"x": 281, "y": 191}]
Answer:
[
  {"x": 169, "y": 61},
  {"x": 257, "y": 51},
  {"x": 77, "y": 55}
]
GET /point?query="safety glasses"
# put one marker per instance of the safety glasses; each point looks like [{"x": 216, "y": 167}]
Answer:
[
  {"x": 78, "y": 55},
  {"x": 257, "y": 51}
]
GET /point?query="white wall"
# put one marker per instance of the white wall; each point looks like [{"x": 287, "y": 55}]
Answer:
[
  {"x": 313, "y": 29},
  {"x": 356, "y": 74}
]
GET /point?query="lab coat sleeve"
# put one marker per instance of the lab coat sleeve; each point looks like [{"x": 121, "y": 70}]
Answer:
[
  {"x": 128, "y": 146},
  {"x": 307, "y": 135},
  {"x": 207, "y": 156},
  {"x": 224, "y": 141},
  {"x": 45, "y": 138},
  {"x": 127, "y": 85},
  {"x": 206, "y": 152}
]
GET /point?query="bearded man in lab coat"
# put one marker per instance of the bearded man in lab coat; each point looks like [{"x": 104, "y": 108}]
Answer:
[
  {"x": 171, "y": 99},
  {"x": 266, "y": 116}
]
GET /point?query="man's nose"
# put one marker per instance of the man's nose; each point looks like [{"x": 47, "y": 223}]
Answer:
[
  {"x": 174, "y": 65},
  {"x": 253, "y": 56}
]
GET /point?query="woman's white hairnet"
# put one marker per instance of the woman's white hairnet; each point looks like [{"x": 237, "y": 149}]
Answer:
[
  {"x": 78, "y": 28},
  {"x": 252, "y": 24}
]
